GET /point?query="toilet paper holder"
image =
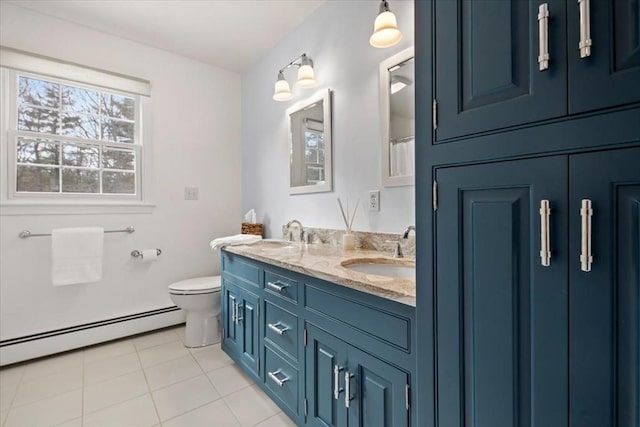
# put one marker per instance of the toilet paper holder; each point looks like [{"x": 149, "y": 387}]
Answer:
[{"x": 138, "y": 254}]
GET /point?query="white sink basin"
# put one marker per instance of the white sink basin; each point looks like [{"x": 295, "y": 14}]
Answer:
[
  {"x": 386, "y": 268},
  {"x": 277, "y": 243}
]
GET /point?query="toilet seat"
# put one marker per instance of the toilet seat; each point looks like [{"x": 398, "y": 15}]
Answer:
[{"x": 196, "y": 286}]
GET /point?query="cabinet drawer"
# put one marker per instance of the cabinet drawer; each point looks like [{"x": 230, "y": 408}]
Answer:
[
  {"x": 282, "y": 379},
  {"x": 281, "y": 329},
  {"x": 388, "y": 327},
  {"x": 281, "y": 285},
  {"x": 240, "y": 268}
]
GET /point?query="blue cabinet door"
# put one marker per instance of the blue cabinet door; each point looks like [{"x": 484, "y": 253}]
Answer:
[
  {"x": 325, "y": 369},
  {"x": 241, "y": 330},
  {"x": 605, "y": 301},
  {"x": 501, "y": 316},
  {"x": 610, "y": 75},
  {"x": 249, "y": 320},
  {"x": 232, "y": 329},
  {"x": 378, "y": 391},
  {"x": 486, "y": 69}
]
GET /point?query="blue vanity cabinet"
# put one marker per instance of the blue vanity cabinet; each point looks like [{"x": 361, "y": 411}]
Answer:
[
  {"x": 487, "y": 69},
  {"x": 241, "y": 325},
  {"x": 610, "y": 75},
  {"x": 315, "y": 340},
  {"x": 605, "y": 301},
  {"x": 501, "y": 316}
]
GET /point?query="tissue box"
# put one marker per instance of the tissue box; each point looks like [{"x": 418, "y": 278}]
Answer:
[{"x": 250, "y": 228}]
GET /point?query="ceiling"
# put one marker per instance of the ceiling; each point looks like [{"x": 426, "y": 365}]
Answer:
[{"x": 231, "y": 34}]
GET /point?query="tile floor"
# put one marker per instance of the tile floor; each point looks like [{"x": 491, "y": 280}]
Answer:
[{"x": 148, "y": 380}]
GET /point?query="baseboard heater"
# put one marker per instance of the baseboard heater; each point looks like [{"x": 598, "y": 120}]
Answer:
[{"x": 45, "y": 343}]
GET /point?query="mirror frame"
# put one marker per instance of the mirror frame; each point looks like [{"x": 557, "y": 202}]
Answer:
[
  {"x": 323, "y": 95},
  {"x": 385, "y": 107}
]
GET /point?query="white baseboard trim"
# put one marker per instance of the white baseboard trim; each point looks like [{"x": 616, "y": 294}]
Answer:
[{"x": 43, "y": 344}]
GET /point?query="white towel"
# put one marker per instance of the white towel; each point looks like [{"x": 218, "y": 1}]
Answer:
[
  {"x": 238, "y": 239},
  {"x": 76, "y": 255}
]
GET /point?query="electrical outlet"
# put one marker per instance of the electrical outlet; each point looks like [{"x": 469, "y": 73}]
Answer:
[
  {"x": 191, "y": 193},
  {"x": 374, "y": 201}
]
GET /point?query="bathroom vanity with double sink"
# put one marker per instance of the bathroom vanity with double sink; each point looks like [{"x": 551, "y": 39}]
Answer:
[{"x": 329, "y": 339}]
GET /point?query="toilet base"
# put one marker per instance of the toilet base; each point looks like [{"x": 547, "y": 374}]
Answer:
[{"x": 202, "y": 329}]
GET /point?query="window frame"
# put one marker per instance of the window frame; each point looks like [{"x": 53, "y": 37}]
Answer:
[{"x": 16, "y": 203}]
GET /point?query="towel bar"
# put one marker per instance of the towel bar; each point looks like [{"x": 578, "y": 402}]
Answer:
[{"x": 25, "y": 234}]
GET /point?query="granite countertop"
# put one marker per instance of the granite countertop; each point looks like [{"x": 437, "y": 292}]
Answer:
[{"x": 324, "y": 261}]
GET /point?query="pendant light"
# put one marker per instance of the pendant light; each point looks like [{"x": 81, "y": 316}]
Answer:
[
  {"x": 385, "y": 28},
  {"x": 306, "y": 78}
]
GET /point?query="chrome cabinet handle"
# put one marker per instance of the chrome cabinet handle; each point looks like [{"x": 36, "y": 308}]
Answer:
[
  {"x": 585, "y": 28},
  {"x": 586, "y": 257},
  {"x": 278, "y": 286},
  {"x": 238, "y": 318},
  {"x": 347, "y": 388},
  {"x": 545, "y": 247},
  {"x": 278, "y": 328},
  {"x": 543, "y": 36},
  {"x": 336, "y": 379},
  {"x": 275, "y": 379},
  {"x": 234, "y": 314}
]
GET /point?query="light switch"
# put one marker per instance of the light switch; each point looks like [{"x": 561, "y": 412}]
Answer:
[{"x": 191, "y": 193}]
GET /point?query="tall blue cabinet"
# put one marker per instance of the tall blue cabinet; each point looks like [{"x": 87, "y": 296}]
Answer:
[{"x": 528, "y": 212}]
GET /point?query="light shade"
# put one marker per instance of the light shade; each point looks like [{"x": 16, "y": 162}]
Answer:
[
  {"x": 385, "y": 31},
  {"x": 282, "y": 91},
  {"x": 306, "y": 77}
]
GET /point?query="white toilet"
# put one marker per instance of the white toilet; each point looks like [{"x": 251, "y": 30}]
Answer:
[{"x": 200, "y": 299}]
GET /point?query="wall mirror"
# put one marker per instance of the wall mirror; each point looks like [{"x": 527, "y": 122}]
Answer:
[
  {"x": 310, "y": 164},
  {"x": 397, "y": 103}
]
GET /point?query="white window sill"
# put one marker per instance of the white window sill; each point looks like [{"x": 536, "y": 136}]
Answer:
[{"x": 43, "y": 207}]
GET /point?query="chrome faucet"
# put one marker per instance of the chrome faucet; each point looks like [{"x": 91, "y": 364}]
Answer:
[
  {"x": 300, "y": 235},
  {"x": 407, "y": 231}
]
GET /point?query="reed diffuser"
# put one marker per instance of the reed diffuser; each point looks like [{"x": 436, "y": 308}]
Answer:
[{"x": 348, "y": 239}]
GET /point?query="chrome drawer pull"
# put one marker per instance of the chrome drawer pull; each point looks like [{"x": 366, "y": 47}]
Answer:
[
  {"x": 278, "y": 286},
  {"x": 278, "y": 328},
  {"x": 585, "y": 28},
  {"x": 586, "y": 257},
  {"x": 545, "y": 247},
  {"x": 543, "y": 36},
  {"x": 336, "y": 379},
  {"x": 275, "y": 379},
  {"x": 347, "y": 392}
]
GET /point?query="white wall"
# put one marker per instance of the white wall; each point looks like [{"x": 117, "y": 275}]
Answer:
[
  {"x": 196, "y": 141},
  {"x": 336, "y": 37}
]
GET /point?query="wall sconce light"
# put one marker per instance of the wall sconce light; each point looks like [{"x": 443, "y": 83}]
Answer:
[
  {"x": 385, "y": 28},
  {"x": 306, "y": 78}
]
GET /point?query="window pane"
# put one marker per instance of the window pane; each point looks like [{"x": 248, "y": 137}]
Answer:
[
  {"x": 81, "y": 126},
  {"x": 321, "y": 157},
  {"x": 40, "y": 120},
  {"x": 80, "y": 181},
  {"x": 120, "y": 107},
  {"x": 311, "y": 156},
  {"x": 118, "y": 159},
  {"x": 118, "y": 182},
  {"x": 38, "y": 92},
  {"x": 117, "y": 131},
  {"x": 38, "y": 179},
  {"x": 80, "y": 100},
  {"x": 79, "y": 155},
  {"x": 38, "y": 151}
]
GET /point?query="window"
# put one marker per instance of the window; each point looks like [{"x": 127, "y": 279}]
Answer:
[
  {"x": 71, "y": 136},
  {"x": 73, "y": 139}
]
